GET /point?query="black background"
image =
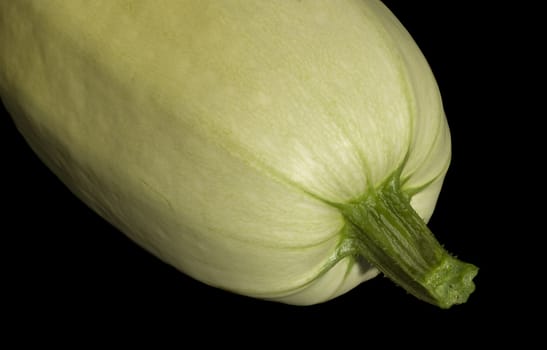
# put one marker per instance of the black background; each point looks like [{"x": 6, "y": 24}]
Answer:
[{"x": 67, "y": 267}]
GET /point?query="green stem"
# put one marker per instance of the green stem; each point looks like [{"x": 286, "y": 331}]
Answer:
[{"x": 387, "y": 231}]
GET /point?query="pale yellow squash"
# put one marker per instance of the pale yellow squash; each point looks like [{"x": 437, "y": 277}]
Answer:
[{"x": 226, "y": 137}]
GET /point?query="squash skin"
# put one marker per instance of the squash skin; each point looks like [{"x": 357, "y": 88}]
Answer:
[{"x": 153, "y": 124}]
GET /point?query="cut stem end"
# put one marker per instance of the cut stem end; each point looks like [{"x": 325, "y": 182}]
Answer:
[{"x": 451, "y": 282}]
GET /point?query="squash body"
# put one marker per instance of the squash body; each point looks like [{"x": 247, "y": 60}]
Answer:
[{"x": 217, "y": 134}]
